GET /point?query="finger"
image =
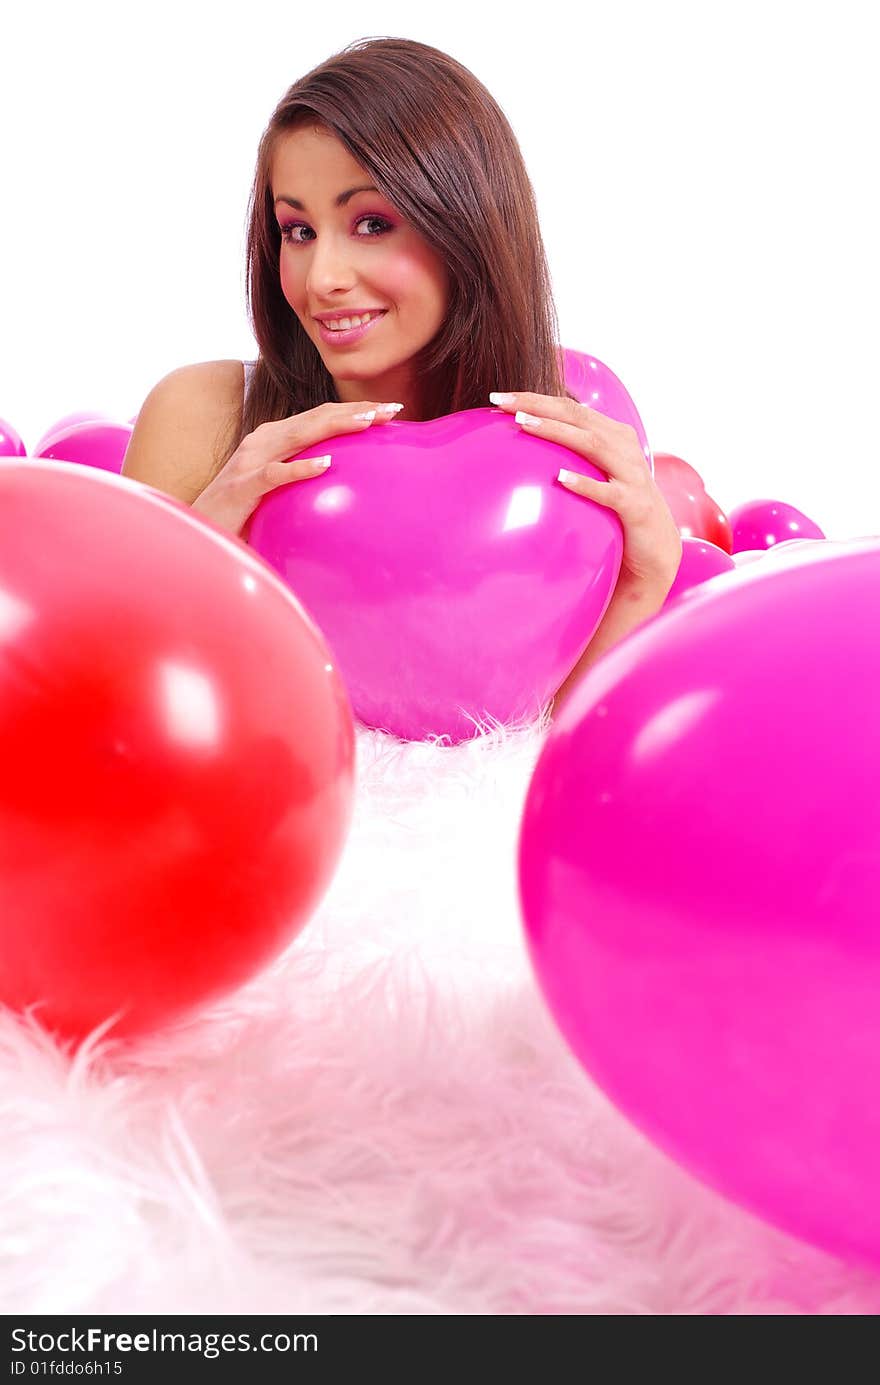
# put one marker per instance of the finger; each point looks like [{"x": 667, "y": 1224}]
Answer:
[
  {"x": 275, "y": 474},
  {"x": 563, "y": 410},
  {"x": 604, "y": 431},
  {"x": 288, "y": 436},
  {"x": 385, "y": 413},
  {"x": 606, "y": 443},
  {"x": 603, "y": 492}
]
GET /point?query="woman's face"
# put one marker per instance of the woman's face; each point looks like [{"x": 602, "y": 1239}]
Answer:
[{"x": 345, "y": 253}]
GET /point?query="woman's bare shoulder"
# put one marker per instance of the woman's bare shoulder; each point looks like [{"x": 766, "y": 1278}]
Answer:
[{"x": 186, "y": 420}]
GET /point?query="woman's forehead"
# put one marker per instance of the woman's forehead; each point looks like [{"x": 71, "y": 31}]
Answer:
[{"x": 311, "y": 156}]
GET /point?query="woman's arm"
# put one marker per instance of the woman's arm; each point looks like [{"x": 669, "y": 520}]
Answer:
[
  {"x": 183, "y": 423},
  {"x": 633, "y": 603}
]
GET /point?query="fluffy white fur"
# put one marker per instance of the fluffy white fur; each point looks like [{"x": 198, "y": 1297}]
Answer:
[{"x": 385, "y": 1122}]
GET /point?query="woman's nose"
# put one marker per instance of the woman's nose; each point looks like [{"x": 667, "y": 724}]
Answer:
[{"x": 330, "y": 267}]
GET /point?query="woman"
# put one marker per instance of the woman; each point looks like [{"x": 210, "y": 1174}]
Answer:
[{"x": 390, "y": 189}]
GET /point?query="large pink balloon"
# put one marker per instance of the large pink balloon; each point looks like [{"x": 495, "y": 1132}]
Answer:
[
  {"x": 594, "y": 384},
  {"x": 453, "y": 576},
  {"x": 11, "y": 444},
  {"x": 700, "y": 876},
  {"x": 763, "y": 523},
  {"x": 97, "y": 443},
  {"x": 700, "y": 560}
]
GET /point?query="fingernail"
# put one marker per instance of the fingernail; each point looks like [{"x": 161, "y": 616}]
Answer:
[
  {"x": 566, "y": 477},
  {"x": 528, "y": 420},
  {"x": 319, "y": 463},
  {"x": 390, "y": 408},
  {"x": 501, "y": 398},
  {"x": 366, "y": 418}
]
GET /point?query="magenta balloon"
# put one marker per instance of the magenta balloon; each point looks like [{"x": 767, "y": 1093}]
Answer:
[
  {"x": 700, "y": 560},
  {"x": 62, "y": 425},
  {"x": 594, "y": 384},
  {"x": 11, "y": 444},
  {"x": 700, "y": 871},
  {"x": 96, "y": 443},
  {"x": 450, "y": 572},
  {"x": 763, "y": 523}
]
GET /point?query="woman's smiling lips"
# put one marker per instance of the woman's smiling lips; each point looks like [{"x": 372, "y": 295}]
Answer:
[{"x": 342, "y": 336}]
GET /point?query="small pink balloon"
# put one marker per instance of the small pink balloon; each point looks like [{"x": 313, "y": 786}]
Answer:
[
  {"x": 11, "y": 444},
  {"x": 699, "y": 873},
  {"x": 97, "y": 443},
  {"x": 763, "y": 523},
  {"x": 592, "y": 383},
  {"x": 452, "y": 575},
  {"x": 61, "y": 425},
  {"x": 700, "y": 560}
]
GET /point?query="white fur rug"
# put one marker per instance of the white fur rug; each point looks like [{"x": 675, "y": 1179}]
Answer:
[{"x": 385, "y": 1123}]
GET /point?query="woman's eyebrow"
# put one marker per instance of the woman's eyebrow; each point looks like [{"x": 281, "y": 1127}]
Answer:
[{"x": 340, "y": 200}]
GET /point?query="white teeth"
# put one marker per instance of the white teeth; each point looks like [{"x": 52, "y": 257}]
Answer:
[{"x": 342, "y": 324}]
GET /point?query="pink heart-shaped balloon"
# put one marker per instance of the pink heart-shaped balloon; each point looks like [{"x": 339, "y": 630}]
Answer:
[{"x": 454, "y": 578}]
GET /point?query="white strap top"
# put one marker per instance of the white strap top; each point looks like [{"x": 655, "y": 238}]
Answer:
[{"x": 248, "y": 373}]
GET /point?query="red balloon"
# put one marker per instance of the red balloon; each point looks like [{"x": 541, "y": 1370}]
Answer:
[
  {"x": 697, "y": 515},
  {"x": 177, "y": 753}
]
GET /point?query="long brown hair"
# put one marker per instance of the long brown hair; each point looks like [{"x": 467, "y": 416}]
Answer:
[{"x": 440, "y": 149}]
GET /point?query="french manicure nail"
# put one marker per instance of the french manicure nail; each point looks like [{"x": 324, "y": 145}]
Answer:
[
  {"x": 320, "y": 463},
  {"x": 528, "y": 419},
  {"x": 390, "y": 408},
  {"x": 566, "y": 477},
  {"x": 366, "y": 418},
  {"x": 496, "y": 398}
]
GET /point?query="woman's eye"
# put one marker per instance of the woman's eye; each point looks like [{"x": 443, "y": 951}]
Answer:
[
  {"x": 289, "y": 232},
  {"x": 383, "y": 224}
]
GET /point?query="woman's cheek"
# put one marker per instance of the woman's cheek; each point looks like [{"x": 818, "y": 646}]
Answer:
[
  {"x": 404, "y": 273},
  {"x": 290, "y": 285}
]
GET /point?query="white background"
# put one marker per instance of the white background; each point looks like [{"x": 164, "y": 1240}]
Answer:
[{"x": 706, "y": 178}]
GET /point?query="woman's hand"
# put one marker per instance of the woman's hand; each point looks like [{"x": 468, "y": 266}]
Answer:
[
  {"x": 651, "y": 541},
  {"x": 261, "y": 462}
]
